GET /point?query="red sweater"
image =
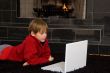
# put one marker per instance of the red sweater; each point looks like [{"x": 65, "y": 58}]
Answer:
[{"x": 30, "y": 50}]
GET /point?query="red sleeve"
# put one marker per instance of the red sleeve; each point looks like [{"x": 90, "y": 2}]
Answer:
[
  {"x": 5, "y": 53},
  {"x": 47, "y": 52},
  {"x": 31, "y": 54}
]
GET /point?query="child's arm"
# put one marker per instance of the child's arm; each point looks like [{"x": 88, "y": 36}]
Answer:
[
  {"x": 50, "y": 59},
  {"x": 47, "y": 52}
]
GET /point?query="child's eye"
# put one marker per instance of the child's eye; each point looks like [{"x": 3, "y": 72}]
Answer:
[{"x": 43, "y": 33}]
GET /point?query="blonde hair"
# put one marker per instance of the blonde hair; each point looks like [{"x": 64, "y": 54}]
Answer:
[{"x": 38, "y": 25}]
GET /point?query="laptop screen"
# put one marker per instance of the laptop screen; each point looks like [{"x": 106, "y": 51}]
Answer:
[{"x": 76, "y": 55}]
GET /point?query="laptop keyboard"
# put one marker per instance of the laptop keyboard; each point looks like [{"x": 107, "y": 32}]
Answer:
[{"x": 57, "y": 67}]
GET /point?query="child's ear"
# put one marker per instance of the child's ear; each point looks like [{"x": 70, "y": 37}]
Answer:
[{"x": 32, "y": 33}]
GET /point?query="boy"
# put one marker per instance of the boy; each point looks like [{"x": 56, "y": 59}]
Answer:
[{"x": 33, "y": 50}]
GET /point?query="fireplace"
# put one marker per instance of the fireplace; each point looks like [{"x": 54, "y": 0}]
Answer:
[
  {"x": 46, "y": 8},
  {"x": 61, "y": 8}
]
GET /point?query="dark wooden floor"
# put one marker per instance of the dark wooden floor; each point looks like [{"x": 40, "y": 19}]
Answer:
[{"x": 95, "y": 64}]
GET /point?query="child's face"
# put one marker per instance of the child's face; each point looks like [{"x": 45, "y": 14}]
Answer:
[{"x": 41, "y": 36}]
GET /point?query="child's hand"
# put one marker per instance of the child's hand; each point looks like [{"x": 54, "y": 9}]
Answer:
[
  {"x": 25, "y": 64},
  {"x": 51, "y": 58}
]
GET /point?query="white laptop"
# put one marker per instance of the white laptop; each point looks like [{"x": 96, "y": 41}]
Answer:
[{"x": 75, "y": 58}]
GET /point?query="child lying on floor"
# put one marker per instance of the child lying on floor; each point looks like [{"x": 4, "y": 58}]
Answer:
[{"x": 33, "y": 50}]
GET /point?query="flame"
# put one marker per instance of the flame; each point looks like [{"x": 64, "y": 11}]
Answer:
[{"x": 65, "y": 7}]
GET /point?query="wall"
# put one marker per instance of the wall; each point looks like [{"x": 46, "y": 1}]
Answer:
[{"x": 98, "y": 13}]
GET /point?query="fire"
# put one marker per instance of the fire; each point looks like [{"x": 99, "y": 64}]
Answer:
[{"x": 65, "y": 7}]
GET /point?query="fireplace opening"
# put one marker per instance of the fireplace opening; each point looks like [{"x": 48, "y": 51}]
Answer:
[
  {"x": 54, "y": 9},
  {"x": 46, "y": 8}
]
